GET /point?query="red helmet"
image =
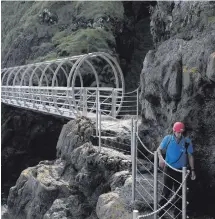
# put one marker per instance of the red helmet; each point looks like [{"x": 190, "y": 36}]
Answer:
[{"x": 178, "y": 127}]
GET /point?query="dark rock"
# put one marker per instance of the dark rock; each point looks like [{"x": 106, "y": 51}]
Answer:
[
  {"x": 177, "y": 84},
  {"x": 70, "y": 186},
  {"x": 27, "y": 138}
]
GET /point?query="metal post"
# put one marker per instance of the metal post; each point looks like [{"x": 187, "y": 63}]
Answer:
[
  {"x": 19, "y": 96},
  {"x": 100, "y": 127},
  {"x": 135, "y": 214},
  {"x": 97, "y": 110},
  {"x": 155, "y": 182},
  {"x": 32, "y": 96},
  {"x": 134, "y": 164},
  {"x": 132, "y": 156},
  {"x": 14, "y": 94},
  {"x": 113, "y": 110},
  {"x": 132, "y": 127},
  {"x": 184, "y": 194},
  {"x": 137, "y": 103},
  {"x": 70, "y": 102},
  {"x": 84, "y": 102},
  {"x": 24, "y": 96},
  {"x": 54, "y": 99},
  {"x": 135, "y": 139}
]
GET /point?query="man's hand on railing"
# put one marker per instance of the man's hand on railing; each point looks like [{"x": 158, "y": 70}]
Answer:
[{"x": 161, "y": 162}]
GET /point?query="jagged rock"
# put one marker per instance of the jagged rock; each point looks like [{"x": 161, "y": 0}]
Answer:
[
  {"x": 36, "y": 189},
  {"x": 117, "y": 203},
  {"x": 179, "y": 19},
  {"x": 70, "y": 186},
  {"x": 27, "y": 138},
  {"x": 74, "y": 134},
  {"x": 110, "y": 206}
]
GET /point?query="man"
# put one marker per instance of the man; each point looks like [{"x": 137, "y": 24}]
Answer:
[{"x": 178, "y": 148}]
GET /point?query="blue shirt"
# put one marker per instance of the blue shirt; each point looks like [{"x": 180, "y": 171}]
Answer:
[{"x": 174, "y": 150}]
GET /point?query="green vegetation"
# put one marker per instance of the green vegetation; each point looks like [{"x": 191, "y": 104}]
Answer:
[
  {"x": 211, "y": 19},
  {"x": 191, "y": 70},
  {"x": 25, "y": 39},
  {"x": 94, "y": 10},
  {"x": 50, "y": 56},
  {"x": 83, "y": 41}
]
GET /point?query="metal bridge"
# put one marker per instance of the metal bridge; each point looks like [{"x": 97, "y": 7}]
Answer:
[
  {"x": 69, "y": 87},
  {"x": 90, "y": 85}
]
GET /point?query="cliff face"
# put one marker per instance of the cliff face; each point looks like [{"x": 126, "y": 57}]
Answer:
[
  {"x": 37, "y": 31},
  {"x": 26, "y": 139},
  {"x": 177, "y": 83}
]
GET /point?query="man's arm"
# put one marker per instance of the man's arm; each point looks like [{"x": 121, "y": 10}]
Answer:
[
  {"x": 191, "y": 162},
  {"x": 159, "y": 150},
  {"x": 161, "y": 160}
]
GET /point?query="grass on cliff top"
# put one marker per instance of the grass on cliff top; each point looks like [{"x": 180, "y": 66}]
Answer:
[
  {"x": 48, "y": 57},
  {"x": 83, "y": 41},
  {"x": 94, "y": 10}
]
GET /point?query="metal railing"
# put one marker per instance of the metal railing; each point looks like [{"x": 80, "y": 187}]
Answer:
[
  {"x": 59, "y": 100},
  {"x": 154, "y": 206},
  {"x": 107, "y": 125}
]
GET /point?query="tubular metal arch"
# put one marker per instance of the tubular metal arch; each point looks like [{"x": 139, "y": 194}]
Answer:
[
  {"x": 74, "y": 77},
  {"x": 44, "y": 72},
  {"x": 17, "y": 73},
  {"x": 73, "y": 72},
  {"x": 64, "y": 71},
  {"x": 24, "y": 73},
  {"x": 60, "y": 77},
  {"x": 2, "y": 73},
  {"x": 12, "y": 73},
  {"x": 3, "y": 77},
  {"x": 28, "y": 76},
  {"x": 73, "y": 67},
  {"x": 118, "y": 68},
  {"x": 59, "y": 66},
  {"x": 34, "y": 71},
  {"x": 78, "y": 72},
  {"x": 31, "y": 78}
]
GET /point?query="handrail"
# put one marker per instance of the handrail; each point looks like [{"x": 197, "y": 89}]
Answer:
[
  {"x": 64, "y": 88},
  {"x": 170, "y": 200},
  {"x": 143, "y": 144}
]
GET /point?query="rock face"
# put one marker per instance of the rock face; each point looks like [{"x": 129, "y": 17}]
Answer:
[
  {"x": 82, "y": 183},
  {"x": 69, "y": 186},
  {"x": 37, "y": 31},
  {"x": 177, "y": 83},
  {"x": 26, "y": 139}
]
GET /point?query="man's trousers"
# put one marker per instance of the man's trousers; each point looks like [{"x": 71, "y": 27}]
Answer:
[{"x": 172, "y": 181}]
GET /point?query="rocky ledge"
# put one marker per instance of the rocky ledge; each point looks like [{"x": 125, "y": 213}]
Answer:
[{"x": 82, "y": 183}]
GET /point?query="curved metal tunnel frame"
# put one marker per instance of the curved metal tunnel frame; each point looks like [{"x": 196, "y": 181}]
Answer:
[{"x": 37, "y": 74}]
